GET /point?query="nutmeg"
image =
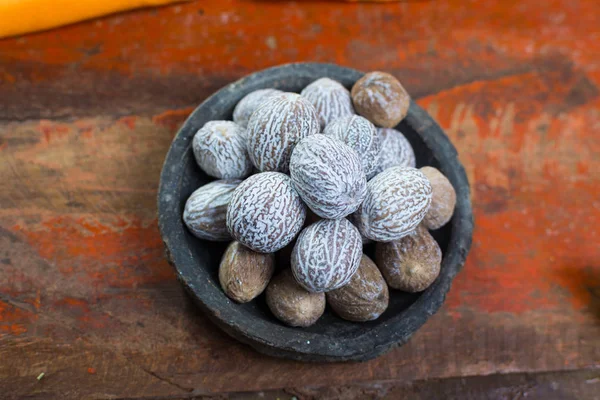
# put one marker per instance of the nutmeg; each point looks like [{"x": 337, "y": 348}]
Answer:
[
  {"x": 330, "y": 98},
  {"x": 249, "y": 103},
  {"x": 396, "y": 150},
  {"x": 290, "y": 303},
  {"x": 380, "y": 98},
  {"x": 244, "y": 273},
  {"x": 364, "y": 298},
  {"x": 412, "y": 263},
  {"x": 443, "y": 199}
]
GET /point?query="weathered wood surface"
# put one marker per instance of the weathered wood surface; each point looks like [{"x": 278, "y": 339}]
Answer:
[{"x": 87, "y": 113}]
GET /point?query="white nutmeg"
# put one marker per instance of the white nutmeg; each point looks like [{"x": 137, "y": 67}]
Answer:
[
  {"x": 326, "y": 255},
  {"x": 328, "y": 176},
  {"x": 206, "y": 210},
  {"x": 220, "y": 150},
  {"x": 361, "y": 135},
  {"x": 249, "y": 103},
  {"x": 396, "y": 202},
  {"x": 276, "y": 126},
  {"x": 396, "y": 150},
  {"x": 330, "y": 98},
  {"x": 265, "y": 212}
]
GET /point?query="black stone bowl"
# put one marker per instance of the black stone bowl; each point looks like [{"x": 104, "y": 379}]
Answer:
[{"x": 331, "y": 338}]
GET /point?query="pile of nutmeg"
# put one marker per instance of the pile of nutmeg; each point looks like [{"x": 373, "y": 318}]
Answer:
[{"x": 324, "y": 168}]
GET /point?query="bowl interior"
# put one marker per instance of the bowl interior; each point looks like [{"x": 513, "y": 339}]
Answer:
[{"x": 196, "y": 261}]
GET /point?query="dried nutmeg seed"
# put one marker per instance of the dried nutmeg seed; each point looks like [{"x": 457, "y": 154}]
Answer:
[
  {"x": 396, "y": 150},
  {"x": 396, "y": 202},
  {"x": 330, "y": 98},
  {"x": 380, "y": 98},
  {"x": 265, "y": 212},
  {"x": 328, "y": 176},
  {"x": 443, "y": 199},
  {"x": 220, "y": 150},
  {"x": 290, "y": 303},
  {"x": 276, "y": 126},
  {"x": 249, "y": 103},
  {"x": 244, "y": 273},
  {"x": 362, "y": 137},
  {"x": 206, "y": 210},
  {"x": 412, "y": 263},
  {"x": 364, "y": 298}
]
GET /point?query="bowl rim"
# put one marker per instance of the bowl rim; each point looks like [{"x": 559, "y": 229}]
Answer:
[{"x": 298, "y": 343}]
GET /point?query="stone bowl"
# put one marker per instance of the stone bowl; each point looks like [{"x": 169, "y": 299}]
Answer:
[{"x": 331, "y": 338}]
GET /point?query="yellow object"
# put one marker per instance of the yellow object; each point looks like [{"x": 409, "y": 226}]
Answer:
[{"x": 23, "y": 16}]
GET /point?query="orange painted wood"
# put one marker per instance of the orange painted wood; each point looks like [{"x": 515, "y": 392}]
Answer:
[{"x": 87, "y": 113}]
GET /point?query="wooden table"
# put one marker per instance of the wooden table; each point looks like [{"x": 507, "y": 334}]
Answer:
[{"x": 88, "y": 111}]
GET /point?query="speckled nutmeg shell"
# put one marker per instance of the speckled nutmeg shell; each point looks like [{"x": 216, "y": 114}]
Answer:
[
  {"x": 364, "y": 298},
  {"x": 265, "y": 212},
  {"x": 443, "y": 199},
  {"x": 396, "y": 202},
  {"x": 380, "y": 98},
  {"x": 326, "y": 255},
  {"x": 412, "y": 263},
  {"x": 330, "y": 98},
  {"x": 249, "y": 103},
  {"x": 220, "y": 150},
  {"x": 206, "y": 210},
  {"x": 361, "y": 136},
  {"x": 291, "y": 304},
  {"x": 328, "y": 176},
  {"x": 396, "y": 150},
  {"x": 276, "y": 126},
  {"x": 244, "y": 273}
]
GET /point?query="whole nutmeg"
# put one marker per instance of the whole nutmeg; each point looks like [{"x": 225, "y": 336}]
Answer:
[
  {"x": 206, "y": 210},
  {"x": 330, "y": 98},
  {"x": 364, "y": 298},
  {"x": 326, "y": 255},
  {"x": 265, "y": 212},
  {"x": 249, "y": 103},
  {"x": 412, "y": 263},
  {"x": 443, "y": 199},
  {"x": 291, "y": 304},
  {"x": 276, "y": 126},
  {"x": 396, "y": 202},
  {"x": 380, "y": 98},
  {"x": 220, "y": 150},
  {"x": 328, "y": 176},
  {"x": 362, "y": 137},
  {"x": 243, "y": 273},
  {"x": 396, "y": 150}
]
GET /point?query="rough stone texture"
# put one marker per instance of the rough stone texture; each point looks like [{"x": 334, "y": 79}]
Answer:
[
  {"x": 362, "y": 137},
  {"x": 443, "y": 199},
  {"x": 328, "y": 175},
  {"x": 220, "y": 150},
  {"x": 243, "y": 273},
  {"x": 291, "y": 303},
  {"x": 205, "y": 210},
  {"x": 412, "y": 263},
  {"x": 326, "y": 255},
  {"x": 330, "y": 98},
  {"x": 396, "y": 150},
  {"x": 265, "y": 212},
  {"x": 379, "y": 97},
  {"x": 249, "y": 103},
  {"x": 276, "y": 126},
  {"x": 364, "y": 298},
  {"x": 396, "y": 202}
]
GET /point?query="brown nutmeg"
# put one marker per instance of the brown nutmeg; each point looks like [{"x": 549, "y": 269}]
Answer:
[
  {"x": 412, "y": 263},
  {"x": 290, "y": 303},
  {"x": 443, "y": 199},
  {"x": 243, "y": 273},
  {"x": 380, "y": 98},
  {"x": 364, "y": 298}
]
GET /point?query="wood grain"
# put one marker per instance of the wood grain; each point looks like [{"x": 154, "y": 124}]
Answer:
[{"x": 87, "y": 114}]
